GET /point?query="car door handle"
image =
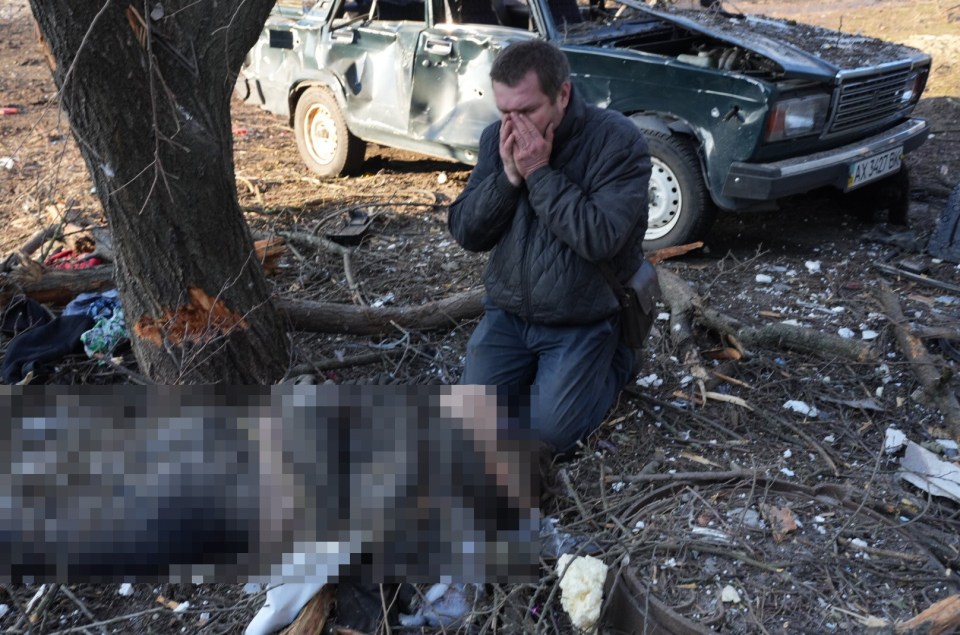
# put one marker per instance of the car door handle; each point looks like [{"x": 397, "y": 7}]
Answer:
[
  {"x": 344, "y": 36},
  {"x": 438, "y": 47}
]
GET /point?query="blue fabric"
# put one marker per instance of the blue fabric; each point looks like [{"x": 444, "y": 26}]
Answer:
[
  {"x": 96, "y": 305},
  {"x": 569, "y": 375}
]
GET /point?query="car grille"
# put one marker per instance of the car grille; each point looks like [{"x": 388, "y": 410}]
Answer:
[{"x": 865, "y": 101}]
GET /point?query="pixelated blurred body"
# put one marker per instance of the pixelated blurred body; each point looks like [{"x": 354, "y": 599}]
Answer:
[
  {"x": 559, "y": 194},
  {"x": 291, "y": 484}
]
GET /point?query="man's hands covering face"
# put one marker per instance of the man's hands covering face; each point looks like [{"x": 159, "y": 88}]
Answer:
[{"x": 522, "y": 148}]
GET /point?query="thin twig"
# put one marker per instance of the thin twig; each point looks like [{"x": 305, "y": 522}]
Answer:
[{"x": 83, "y": 607}]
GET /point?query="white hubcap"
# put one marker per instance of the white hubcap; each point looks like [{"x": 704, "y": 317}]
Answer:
[
  {"x": 665, "y": 198},
  {"x": 321, "y": 133}
]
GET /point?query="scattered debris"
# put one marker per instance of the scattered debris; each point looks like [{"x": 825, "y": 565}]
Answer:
[
  {"x": 922, "y": 468},
  {"x": 800, "y": 407},
  {"x": 729, "y": 595}
]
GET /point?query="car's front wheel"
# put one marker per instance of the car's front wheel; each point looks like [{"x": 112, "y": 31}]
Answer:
[
  {"x": 680, "y": 208},
  {"x": 326, "y": 144}
]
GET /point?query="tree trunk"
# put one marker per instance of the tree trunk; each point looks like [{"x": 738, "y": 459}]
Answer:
[{"x": 147, "y": 89}]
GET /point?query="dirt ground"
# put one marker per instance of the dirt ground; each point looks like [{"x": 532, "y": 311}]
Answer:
[{"x": 870, "y": 547}]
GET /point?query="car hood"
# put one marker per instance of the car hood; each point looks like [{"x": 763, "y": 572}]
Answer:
[{"x": 801, "y": 50}]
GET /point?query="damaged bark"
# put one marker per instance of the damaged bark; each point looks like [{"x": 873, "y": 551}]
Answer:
[
  {"x": 148, "y": 101},
  {"x": 931, "y": 372}
]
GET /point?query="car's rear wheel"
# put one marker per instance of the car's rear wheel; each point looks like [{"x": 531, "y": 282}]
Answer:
[
  {"x": 326, "y": 144},
  {"x": 680, "y": 208}
]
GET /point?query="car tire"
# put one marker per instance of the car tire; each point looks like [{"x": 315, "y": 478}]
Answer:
[
  {"x": 680, "y": 208},
  {"x": 891, "y": 194},
  {"x": 326, "y": 144}
]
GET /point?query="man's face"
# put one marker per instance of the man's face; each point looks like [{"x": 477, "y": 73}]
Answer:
[{"x": 527, "y": 98}]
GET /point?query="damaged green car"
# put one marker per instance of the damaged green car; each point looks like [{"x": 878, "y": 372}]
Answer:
[{"x": 738, "y": 110}]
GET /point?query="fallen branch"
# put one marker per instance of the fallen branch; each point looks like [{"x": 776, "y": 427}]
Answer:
[
  {"x": 933, "y": 375},
  {"x": 680, "y": 298},
  {"x": 57, "y": 287},
  {"x": 319, "y": 317},
  {"x": 942, "y": 617},
  {"x": 672, "y": 252},
  {"x": 788, "y": 336},
  {"x": 328, "y": 245},
  {"x": 313, "y": 618}
]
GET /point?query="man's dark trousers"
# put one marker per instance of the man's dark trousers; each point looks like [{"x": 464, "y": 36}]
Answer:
[{"x": 574, "y": 372}]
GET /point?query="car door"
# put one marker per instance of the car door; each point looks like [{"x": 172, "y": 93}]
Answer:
[
  {"x": 373, "y": 58},
  {"x": 452, "y": 100}
]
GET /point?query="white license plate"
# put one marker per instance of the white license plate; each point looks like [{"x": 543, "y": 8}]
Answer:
[{"x": 877, "y": 166}]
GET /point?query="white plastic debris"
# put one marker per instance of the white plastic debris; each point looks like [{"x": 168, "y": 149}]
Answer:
[
  {"x": 729, "y": 595},
  {"x": 639, "y": 525},
  {"x": 845, "y": 333},
  {"x": 801, "y": 408},
  {"x": 948, "y": 444},
  {"x": 786, "y": 471},
  {"x": 869, "y": 335},
  {"x": 663, "y": 316},
  {"x": 763, "y": 278},
  {"x": 830, "y": 438},
  {"x": 813, "y": 266},
  {"x": 669, "y": 564},
  {"x": 182, "y": 607},
  {"x": 4, "y": 609},
  {"x": 442, "y": 178},
  {"x": 386, "y": 299},
  {"x": 893, "y": 440},
  {"x": 581, "y": 589},
  {"x": 7, "y": 163},
  {"x": 922, "y": 468},
  {"x": 787, "y": 453},
  {"x": 126, "y": 589},
  {"x": 650, "y": 381},
  {"x": 252, "y": 587},
  {"x": 858, "y": 542},
  {"x": 618, "y": 486}
]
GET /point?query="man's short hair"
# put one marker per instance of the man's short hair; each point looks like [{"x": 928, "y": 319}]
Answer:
[{"x": 516, "y": 60}]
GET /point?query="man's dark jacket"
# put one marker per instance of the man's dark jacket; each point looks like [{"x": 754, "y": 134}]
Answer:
[{"x": 588, "y": 206}]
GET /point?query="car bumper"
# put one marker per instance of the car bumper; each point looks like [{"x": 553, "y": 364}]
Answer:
[{"x": 768, "y": 181}]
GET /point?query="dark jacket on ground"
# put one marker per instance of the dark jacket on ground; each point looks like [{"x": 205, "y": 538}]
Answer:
[{"x": 588, "y": 206}]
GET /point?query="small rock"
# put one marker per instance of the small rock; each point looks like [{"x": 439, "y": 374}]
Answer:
[
  {"x": 763, "y": 278},
  {"x": 845, "y": 333}
]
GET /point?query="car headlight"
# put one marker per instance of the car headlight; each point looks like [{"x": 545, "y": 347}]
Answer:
[
  {"x": 797, "y": 117},
  {"x": 911, "y": 88}
]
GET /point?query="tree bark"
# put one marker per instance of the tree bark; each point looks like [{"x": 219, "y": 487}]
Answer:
[
  {"x": 147, "y": 91},
  {"x": 363, "y": 320}
]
